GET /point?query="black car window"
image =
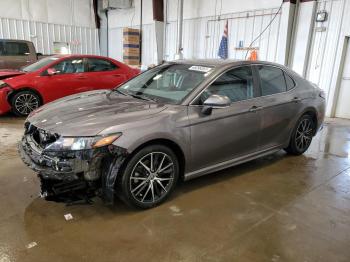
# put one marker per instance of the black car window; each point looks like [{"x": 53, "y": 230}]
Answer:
[
  {"x": 236, "y": 84},
  {"x": 14, "y": 49},
  {"x": 2, "y": 49},
  {"x": 70, "y": 66},
  {"x": 272, "y": 80},
  {"x": 289, "y": 81},
  {"x": 98, "y": 65}
]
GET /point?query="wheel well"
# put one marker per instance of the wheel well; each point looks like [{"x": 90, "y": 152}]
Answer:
[
  {"x": 172, "y": 145},
  {"x": 313, "y": 115},
  {"x": 9, "y": 98}
]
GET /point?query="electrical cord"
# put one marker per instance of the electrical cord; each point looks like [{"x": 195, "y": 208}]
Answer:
[{"x": 269, "y": 24}]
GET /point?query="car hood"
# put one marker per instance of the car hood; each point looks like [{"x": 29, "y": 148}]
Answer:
[
  {"x": 6, "y": 73},
  {"x": 89, "y": 113}
]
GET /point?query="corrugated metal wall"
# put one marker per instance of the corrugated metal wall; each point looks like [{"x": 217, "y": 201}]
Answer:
[
  {"x": 82, "y": 40},
  {"x": 324, "y": 44},
  {"x": 201, "y": 36}
]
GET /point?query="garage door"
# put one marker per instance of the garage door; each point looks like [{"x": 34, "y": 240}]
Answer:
[{"x": 343, "y": 104}]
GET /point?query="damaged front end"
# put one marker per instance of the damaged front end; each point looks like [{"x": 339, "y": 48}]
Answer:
[{"x": 72, "y": 169}]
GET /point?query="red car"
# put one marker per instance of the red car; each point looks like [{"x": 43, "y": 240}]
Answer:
[{"x": 57, "y": 76}]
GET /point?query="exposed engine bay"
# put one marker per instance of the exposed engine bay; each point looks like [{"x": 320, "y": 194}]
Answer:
[{"x": 71, "y": 176}]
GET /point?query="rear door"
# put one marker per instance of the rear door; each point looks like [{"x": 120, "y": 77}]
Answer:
[
  {"x": 279, "y": 105},
  {"x": 104, "y": 74},
  {"x": 229, "y": 132},
  {"x": 15, "y": 54}
]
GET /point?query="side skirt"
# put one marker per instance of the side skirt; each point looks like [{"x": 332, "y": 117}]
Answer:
[{"x": 230, "y": 163}]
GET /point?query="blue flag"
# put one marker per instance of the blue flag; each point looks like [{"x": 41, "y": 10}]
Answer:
[{"x": 223, "y": 48}]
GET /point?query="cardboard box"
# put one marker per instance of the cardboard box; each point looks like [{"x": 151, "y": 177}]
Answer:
[
  {"x": 131, "y": 36},
  {"x": 131, "y": 46},
  {"x": 134, "y": 62},
  {"x": 131, "y": 39},
  {"x": 131, "y": 51}
]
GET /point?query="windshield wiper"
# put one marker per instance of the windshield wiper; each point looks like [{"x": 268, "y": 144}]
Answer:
[
  {"x": 120, "y": 92},
  {"x": 138, "y": 95},
  {"x": 143, "y": 97}
]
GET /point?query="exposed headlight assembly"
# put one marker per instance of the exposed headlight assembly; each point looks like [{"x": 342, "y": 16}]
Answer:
[
  {"x": 3, "y": 84},
  {"x": 81, "y": 143}
]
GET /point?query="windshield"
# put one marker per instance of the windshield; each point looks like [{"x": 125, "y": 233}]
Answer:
[
  {"x": 41, "y": 63},
  {"x": 166, "y": 84}
]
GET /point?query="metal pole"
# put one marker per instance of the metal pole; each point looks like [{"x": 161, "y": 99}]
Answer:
[
  {"x": 165, "y": 28},
  {"x": 141, "y": 32},
  {"x": 179, "y": 54}
]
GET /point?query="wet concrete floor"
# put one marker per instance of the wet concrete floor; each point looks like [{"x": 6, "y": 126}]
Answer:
[{"x": 278, "y": 208}]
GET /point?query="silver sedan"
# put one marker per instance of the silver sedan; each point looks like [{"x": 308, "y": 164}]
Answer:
[{"x": 179, "y": 120}]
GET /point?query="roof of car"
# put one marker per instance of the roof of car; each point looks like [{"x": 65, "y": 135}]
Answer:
[
  {"x": 219, "y": 62},
  {"x": 14, "y": 40},
  {"x": 78, "y": 55}
]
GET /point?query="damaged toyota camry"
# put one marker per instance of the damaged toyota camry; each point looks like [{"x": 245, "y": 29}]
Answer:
[{"x": 175, "y": 122}]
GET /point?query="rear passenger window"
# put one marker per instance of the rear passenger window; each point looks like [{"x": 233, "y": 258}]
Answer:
[
  {"x": 2, "y": 49},
  {"x": 289, "y": 81},
  {"x": 99, "y": 65},
  {"x": 236, "y": 84},
  {"x": 272, "y": 80}
]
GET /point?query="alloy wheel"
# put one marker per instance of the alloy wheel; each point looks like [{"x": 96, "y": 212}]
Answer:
[
  {"x": 152, "y": 177},
  {"x": 26, "y": 103},
  {"x": 303, "y": 136}
]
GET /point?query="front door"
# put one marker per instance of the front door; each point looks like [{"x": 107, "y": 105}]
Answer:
[
  {"x": 228, "y": 132},
  {"x": 70, "y": 78}
]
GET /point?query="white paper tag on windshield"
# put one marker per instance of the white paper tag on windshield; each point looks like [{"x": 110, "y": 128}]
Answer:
[{"x": 200, "y": 68}]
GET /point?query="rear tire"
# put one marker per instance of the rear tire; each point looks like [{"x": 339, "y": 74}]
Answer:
[
  {"x": 24, "y": 102},
  {"x": 301, "y": 137},
  {"x": 149, "y": 177}
]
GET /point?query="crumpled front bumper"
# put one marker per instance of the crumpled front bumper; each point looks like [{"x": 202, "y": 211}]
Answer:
[
  {"x": 49, "y": 167},
  {"x": 63, "y": 173},
  {"x": 4, "y": 105}
]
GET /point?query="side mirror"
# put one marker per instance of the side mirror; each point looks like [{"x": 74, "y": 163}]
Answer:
[
  {"x": 215, "y": 101},
  {"x": 51, "y": 71}
]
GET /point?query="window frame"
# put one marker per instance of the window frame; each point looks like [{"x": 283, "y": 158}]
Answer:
[
  {"x": 284, "y": 76},
  {"x": 256, "y": 85},
  {"x": 86, "y": 63}
]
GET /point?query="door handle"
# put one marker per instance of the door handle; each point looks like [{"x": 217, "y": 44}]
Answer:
[
  {"x": 296, "y": 99},
  {"x": 117, "y": 75},
  {"x": 255, "y": 108},
  {"x": 81, "y": 77}
]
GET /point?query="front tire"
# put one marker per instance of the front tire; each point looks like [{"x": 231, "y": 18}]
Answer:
[
  {"x": 24, "y": 102},
  {"x": 149, "y": 177},
  {"x": 301, "y": 136}
]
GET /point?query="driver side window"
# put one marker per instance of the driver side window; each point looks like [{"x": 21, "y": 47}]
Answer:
[
  {"x": 236, "y": 84},
  {"x": 70, "y": 66}
]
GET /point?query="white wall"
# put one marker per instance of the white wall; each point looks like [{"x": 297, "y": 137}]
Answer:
[
  {"x": 326, "y": 49},
  {"x": 46, "y": 21},
  {"x": 67, "y": 12},
  {"x": 201, "y": 37}
]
